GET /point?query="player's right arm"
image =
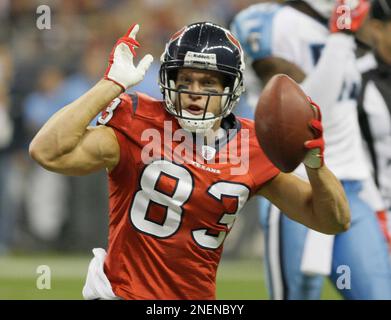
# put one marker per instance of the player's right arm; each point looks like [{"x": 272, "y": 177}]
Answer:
[
  {"x": 330, "y": 69},
  {"x": 266, "y": 68},
  {"x": 65, "y": 144}
]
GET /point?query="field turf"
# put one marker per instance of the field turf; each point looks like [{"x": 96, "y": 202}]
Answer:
[{"x": 243, "y": 279}]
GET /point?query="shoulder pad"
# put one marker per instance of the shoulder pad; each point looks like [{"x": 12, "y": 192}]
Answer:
[{"x": 253, "y": 28}]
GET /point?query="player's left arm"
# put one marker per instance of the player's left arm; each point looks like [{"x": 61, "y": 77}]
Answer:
[{"x": 321, "y": 204}]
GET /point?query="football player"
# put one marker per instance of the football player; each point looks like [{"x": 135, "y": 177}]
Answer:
[
  {"x": 375, "y": 105},
  {"x": 168, "y": 220},
  {"x": 297, "y": 38}
]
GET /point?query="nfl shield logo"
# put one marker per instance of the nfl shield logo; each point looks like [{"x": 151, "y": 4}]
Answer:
[{"x": 208, "y": 152}]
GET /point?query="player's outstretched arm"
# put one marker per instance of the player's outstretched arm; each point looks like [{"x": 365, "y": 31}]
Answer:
[
  {"x": 65, "y": 144},
  {"x": 321, "y": 204}
]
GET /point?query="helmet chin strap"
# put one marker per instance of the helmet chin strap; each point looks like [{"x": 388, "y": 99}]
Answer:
[{"x": 197, "y": 125}]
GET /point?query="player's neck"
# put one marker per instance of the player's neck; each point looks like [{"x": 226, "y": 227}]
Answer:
[
  {"x": 213, "y": 135},
  {"x": 217, "y": 126},
  {"x": 217, "y": 133}
]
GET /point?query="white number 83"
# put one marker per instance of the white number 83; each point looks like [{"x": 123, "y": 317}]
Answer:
[{"x": 174, "y": 203}]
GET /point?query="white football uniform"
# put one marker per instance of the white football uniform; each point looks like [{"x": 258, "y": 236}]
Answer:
[
  {"x": 375, "y": 118},
  {"x": 269, "y": 29},
  {"x": 295, "y": 256}
]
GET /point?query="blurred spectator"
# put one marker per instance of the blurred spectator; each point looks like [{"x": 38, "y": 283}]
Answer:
[
  {"x": 6, "y": 133},
  {"x": 46, "y": 196}
]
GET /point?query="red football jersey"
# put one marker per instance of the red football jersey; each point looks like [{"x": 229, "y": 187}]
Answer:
[{"x": 170, "y": 209}]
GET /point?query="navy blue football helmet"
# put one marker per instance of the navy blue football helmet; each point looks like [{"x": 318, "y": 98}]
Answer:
[{"x": 204, "y": 46}]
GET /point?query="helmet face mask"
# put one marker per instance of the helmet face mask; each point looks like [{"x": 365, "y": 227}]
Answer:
[{"x": 202, "y": 46}]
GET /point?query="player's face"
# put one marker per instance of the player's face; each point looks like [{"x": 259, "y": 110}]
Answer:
[{"x": 199, "y": 81}]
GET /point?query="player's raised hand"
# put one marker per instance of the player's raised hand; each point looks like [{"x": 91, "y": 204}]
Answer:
[
  {"x": 314, "y": 158},
  {"x": 349, "y": 15},
  {"x": 121, "y": 68}
]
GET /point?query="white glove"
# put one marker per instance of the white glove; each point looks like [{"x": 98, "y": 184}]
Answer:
[{"x": 121, "y": 69}]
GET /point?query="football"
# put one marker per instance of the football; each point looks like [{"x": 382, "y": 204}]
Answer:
[{"x": 282, "y": 118}]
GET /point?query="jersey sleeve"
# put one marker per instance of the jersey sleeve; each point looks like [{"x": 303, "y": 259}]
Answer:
[
  {"x": 261, "y": 169},
  {"x": 119, "y": 115},
  {"x": 253, "y": 28}
]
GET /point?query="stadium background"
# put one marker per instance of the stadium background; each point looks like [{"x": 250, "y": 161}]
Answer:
[{"x": 53, "y": 220}]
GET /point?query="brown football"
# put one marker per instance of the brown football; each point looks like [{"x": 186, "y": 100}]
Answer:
[{"x": 282, "y": 119}]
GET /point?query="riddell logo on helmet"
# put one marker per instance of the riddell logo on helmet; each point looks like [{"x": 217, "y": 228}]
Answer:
[
  {"x": 181, "y": 147},
  {"x": 201, "y": 55},
  {"x": 195, "y": 57}
]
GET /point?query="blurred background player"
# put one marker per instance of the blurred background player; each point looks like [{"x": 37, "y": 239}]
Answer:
[
  {"x": 374, "y": 105},
  {"x": 294, "y": 38},
  {"x": 7, "y": 220}
]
